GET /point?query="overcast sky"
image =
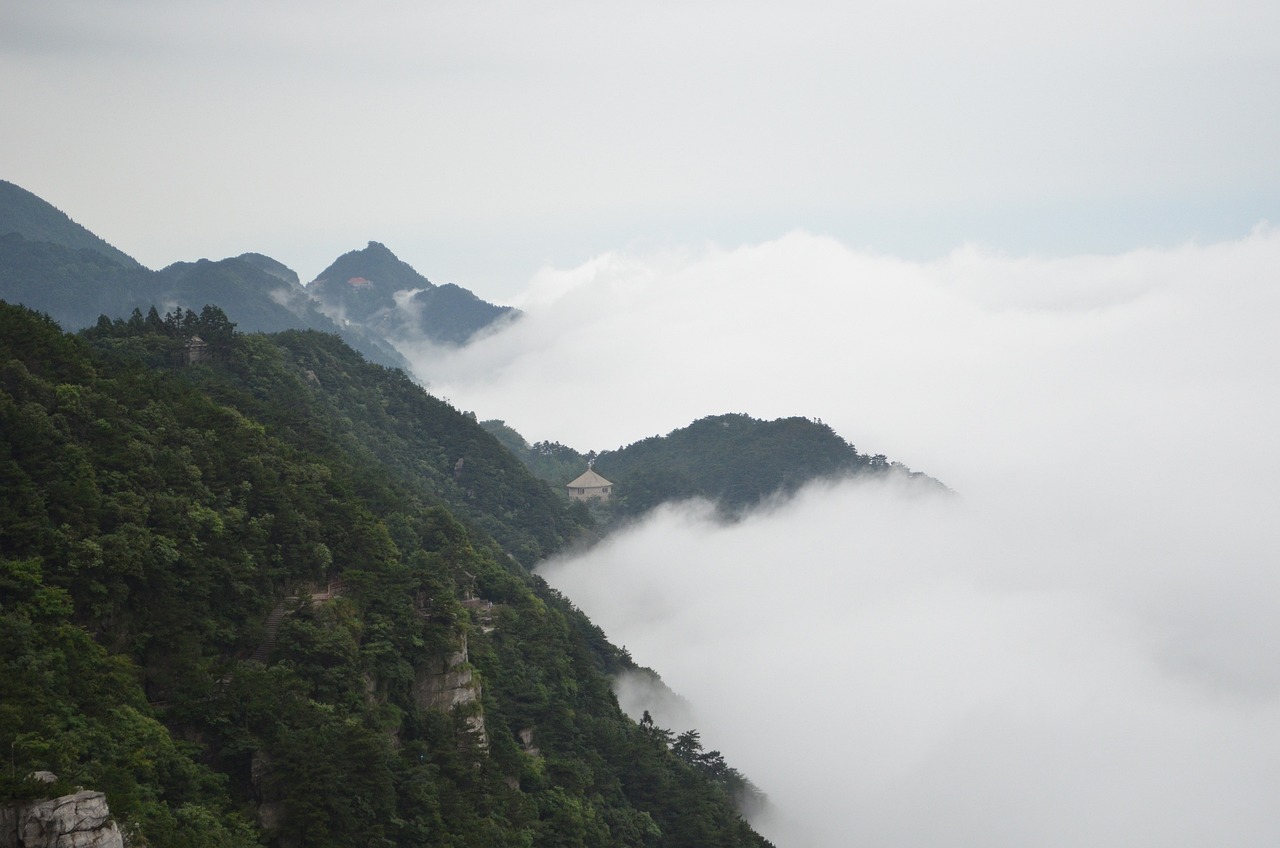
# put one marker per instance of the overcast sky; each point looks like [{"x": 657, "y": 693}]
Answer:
[
  {"x": 484, "y": 140},
  {"x": 1019, "y": 248}
]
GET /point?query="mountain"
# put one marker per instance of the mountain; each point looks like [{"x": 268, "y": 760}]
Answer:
[
  {"x": 262, "y": 295},
  {"x": 77, "y": 285},
  {"x": 360, "y": 285},
  {"x": 52, "y": 264},
  {"x": 734, "y": 460},
  {"x": 376, "y": 289},
  {"x": 451, "y": 315},
  {"x": 74, "y": 285},
  {"x": 276, "y": 269},
  {"x": 255, "y": 299},
  {"x": 276, "y": 597},
  {"x": 23, "y": 213}
]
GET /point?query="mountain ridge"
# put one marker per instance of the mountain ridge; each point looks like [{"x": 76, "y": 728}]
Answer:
[
  {"x": 51, "y": 263},
  {"x": 376, "y": 288},
  {"x": 36, "y": 219},
  {"x": 733, "y": 460}
]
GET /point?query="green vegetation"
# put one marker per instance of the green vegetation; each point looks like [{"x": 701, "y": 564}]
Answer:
[
  {"x": 553, "y": 462},
  {"x": 23, "y": 213},
  {"x": 76, "y": 285},
  {"x": 259, "y": 600},
  {"x": 735, "y": 461}
]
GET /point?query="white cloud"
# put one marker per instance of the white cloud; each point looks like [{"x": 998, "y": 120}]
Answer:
[
  {"x": 903, "y": 673},
  {"x": 1079, "y": 650}
]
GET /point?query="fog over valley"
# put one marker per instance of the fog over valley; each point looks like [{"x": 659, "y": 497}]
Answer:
[
  {"x": 1031, "y": 251},
  {"x": 1078, "y": 648}
]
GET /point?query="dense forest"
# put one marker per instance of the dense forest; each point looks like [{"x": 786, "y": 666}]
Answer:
[
  {"x": 280, "y": 595},
  {"x": 734, "y": 461}
]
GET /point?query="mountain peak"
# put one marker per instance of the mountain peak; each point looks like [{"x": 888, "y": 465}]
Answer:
[
  {"x": 271, "y": 266},
  {"x": 49, "y": 262},
  {"x": 38, "y": 220}
]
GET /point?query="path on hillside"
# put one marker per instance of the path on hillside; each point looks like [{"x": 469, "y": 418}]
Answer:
[{"x": 286, "y": 606}]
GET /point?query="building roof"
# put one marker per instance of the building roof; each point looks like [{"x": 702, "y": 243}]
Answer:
[{"x": 589, "y": 480}]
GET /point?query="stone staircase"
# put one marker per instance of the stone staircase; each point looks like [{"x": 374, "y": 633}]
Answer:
[
  {"x": 272, "y": 624},
  {"x": 288, "y": 605}
]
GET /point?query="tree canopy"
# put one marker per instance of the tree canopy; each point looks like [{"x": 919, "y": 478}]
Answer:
[{"x": 258, "y": 599}]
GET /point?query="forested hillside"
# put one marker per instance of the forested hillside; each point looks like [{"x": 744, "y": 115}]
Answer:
[
  {"x": 35, "y": 220},
  {"x": 260, "y": 599},
  {"x": 733, "y": 460},
  {"x": 76, "y": 286}
]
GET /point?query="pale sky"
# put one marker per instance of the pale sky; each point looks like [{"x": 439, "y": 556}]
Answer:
[{"x": 486, "y": 140}]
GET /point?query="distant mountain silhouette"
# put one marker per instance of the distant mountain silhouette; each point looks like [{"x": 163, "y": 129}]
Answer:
[
  {"x": 453, "y": 315},
  {"x": 272, "y": 267},
  {"x": 35, "y": 219},
  {"x": 368, "y": 297},
  {"x": 73, "y": 286},
  {"x": 372, "y": 286}
]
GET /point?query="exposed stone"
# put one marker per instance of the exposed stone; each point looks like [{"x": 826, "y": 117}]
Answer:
[
  {"x": 446, "y": 684},
  {"x": 259, "y": 766},
  {"x": 526, "y": 742},
  {"x": 81, "y": 820},
  {"x": 271, "y": 815},
  {"x": 449, "y": 684},
  {"x": 8, "y": 825}
]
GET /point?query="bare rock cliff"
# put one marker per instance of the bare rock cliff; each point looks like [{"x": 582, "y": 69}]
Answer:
[{"x": 81, "y": 820}]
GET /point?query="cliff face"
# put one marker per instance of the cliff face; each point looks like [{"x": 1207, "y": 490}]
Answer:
[
  {"x": 451, "y": 683},
  {"x": 80, "y": 820}
]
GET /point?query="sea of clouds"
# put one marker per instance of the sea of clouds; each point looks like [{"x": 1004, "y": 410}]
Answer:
[{"x": 1079, "y": 648}]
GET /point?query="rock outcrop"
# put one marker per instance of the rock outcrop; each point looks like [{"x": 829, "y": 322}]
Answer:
[
  {"x": 81, "y": 820},
  {"x": 450, "y": 684}
]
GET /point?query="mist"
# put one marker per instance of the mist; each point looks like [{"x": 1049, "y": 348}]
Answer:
[{"x": 1077, "y": 649}]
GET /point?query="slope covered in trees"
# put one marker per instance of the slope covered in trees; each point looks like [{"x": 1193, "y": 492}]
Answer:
[
  {"x": 26, "y": 214},
  {"x": 733, "y": 460},
  {"x": 75, "y": 286},
  {"x": 236, "y": 597}
]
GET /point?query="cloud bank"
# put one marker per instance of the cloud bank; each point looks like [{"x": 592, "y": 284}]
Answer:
[{"x": 1079, "y": 650}]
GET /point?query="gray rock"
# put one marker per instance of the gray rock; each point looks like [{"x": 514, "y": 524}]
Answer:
[{"x": 81, "y": 820}]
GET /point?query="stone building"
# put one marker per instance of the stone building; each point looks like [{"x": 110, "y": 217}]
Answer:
[
  {"x": 198, "y": 350},
  {"x": 589, "y": 485}
]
